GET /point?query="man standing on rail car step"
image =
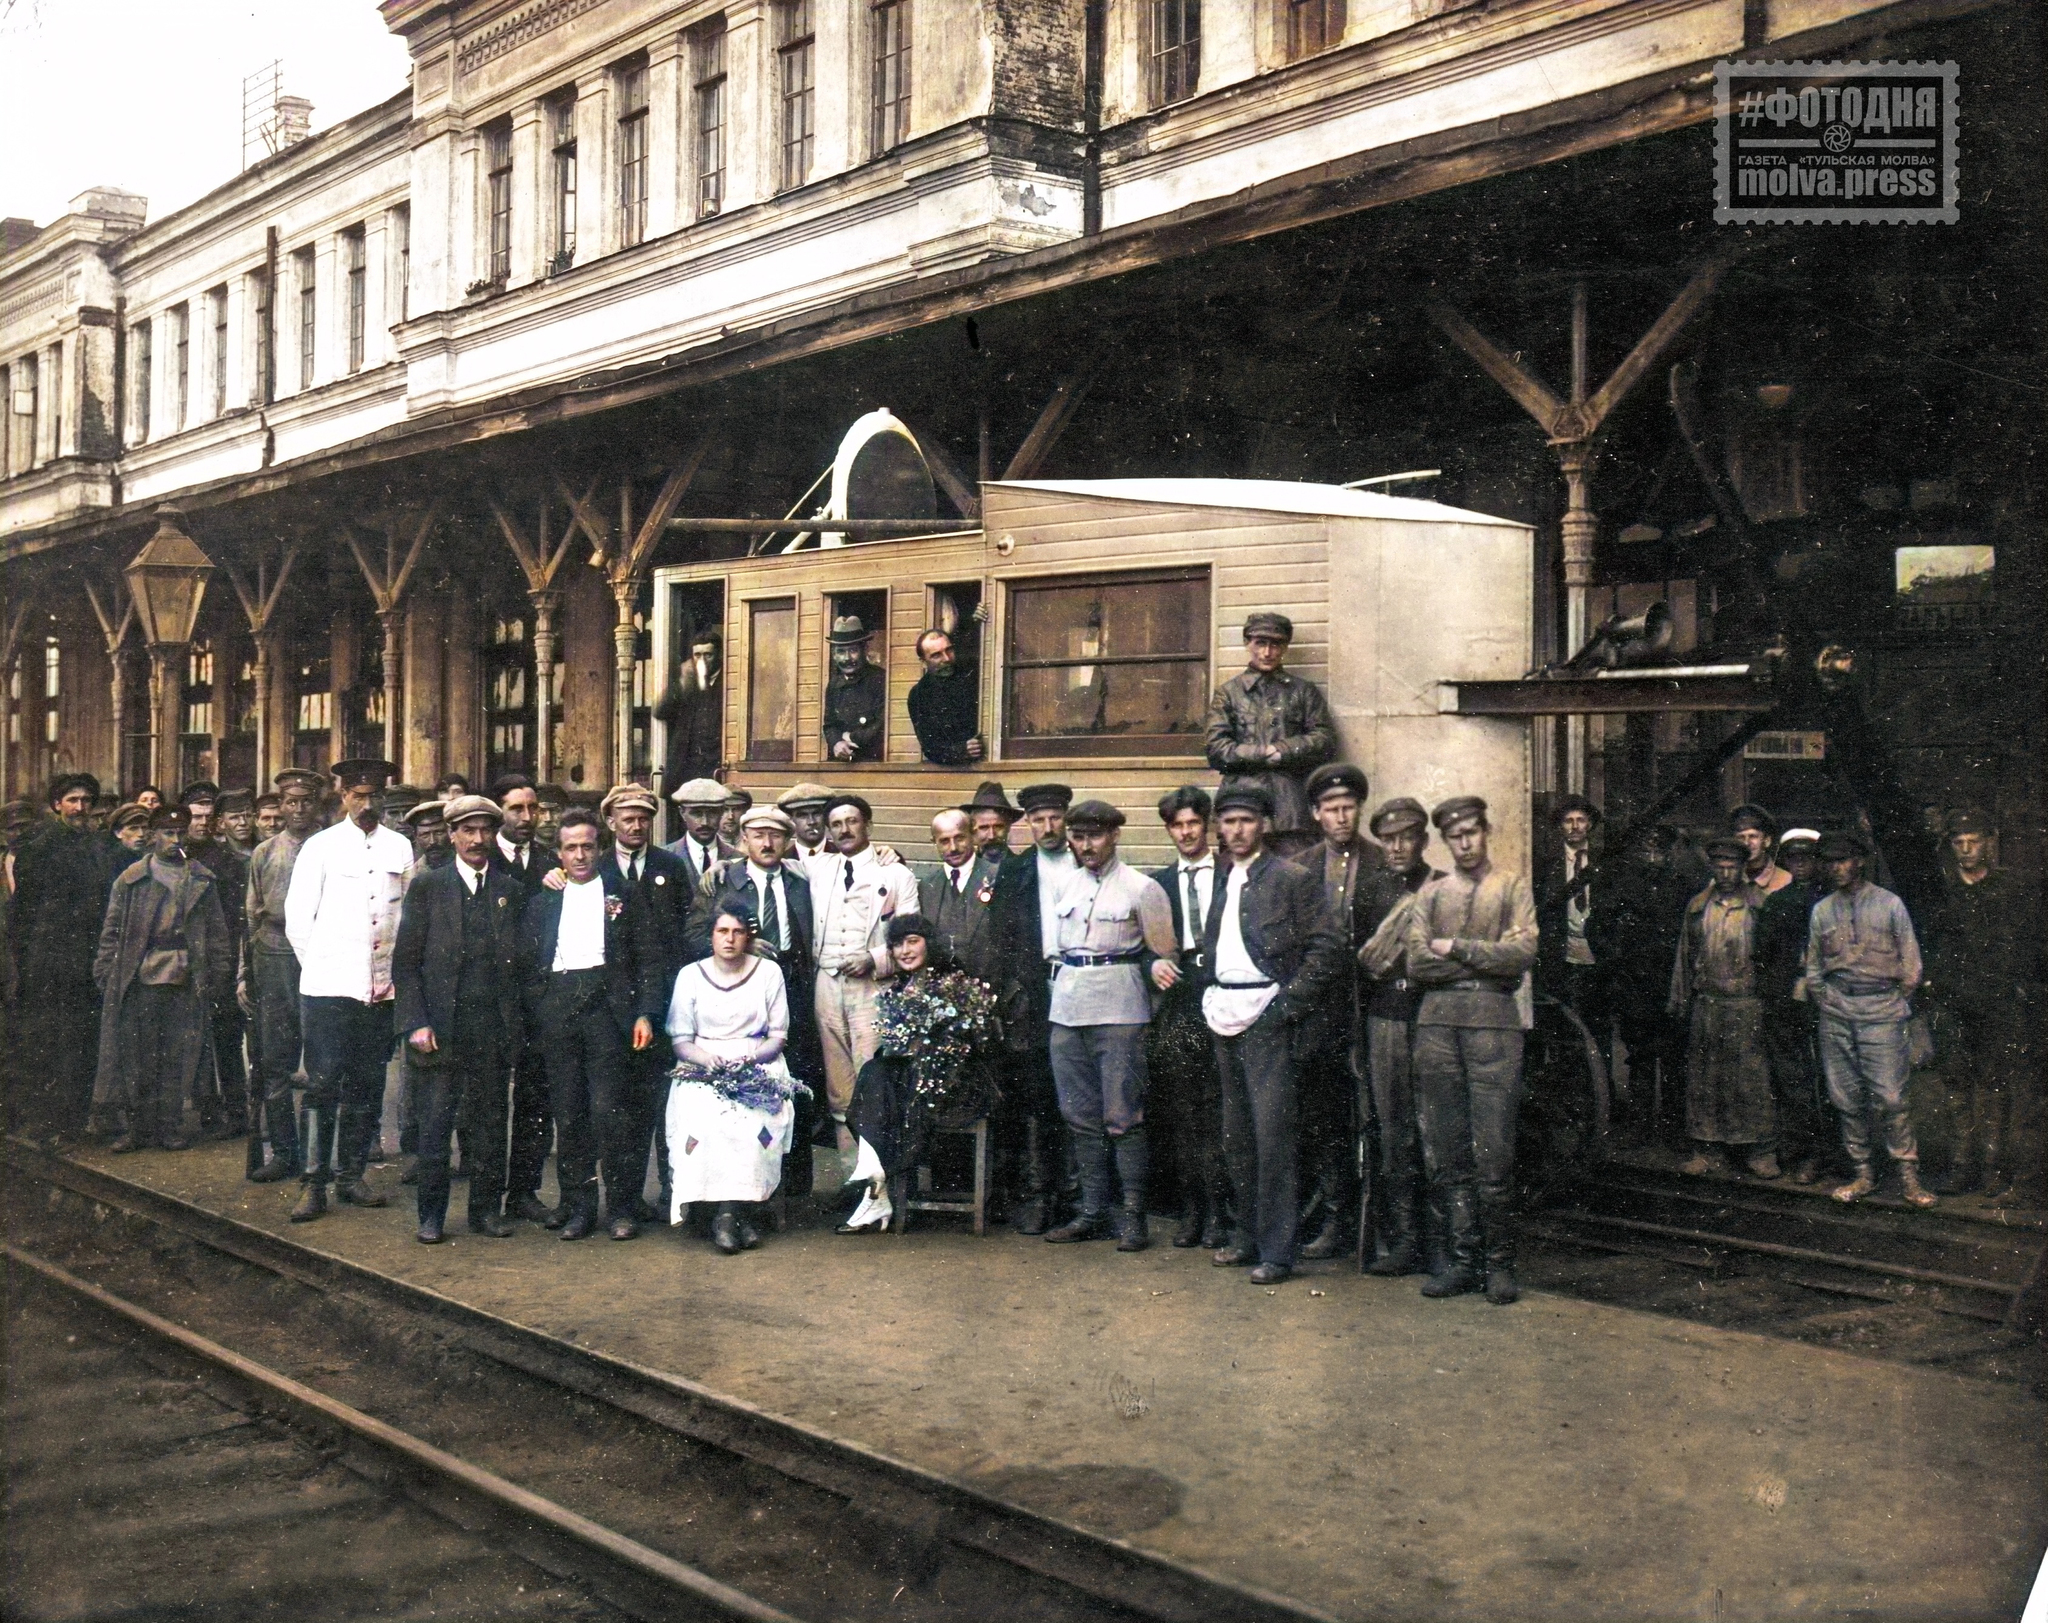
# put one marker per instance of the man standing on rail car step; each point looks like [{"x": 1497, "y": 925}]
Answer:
[
  {"x": 1115, "y": 945},
  {"x": 1031, "y": 1137},
  {"x": 1272, "y": 729},
  {"x": 1862, "y": 968},
  {"x": 1274, "y": 953},
  {"x": 341, "y": 918},
  {"x": 269, "y": 986},
  {"x": 456, "y": 973},
  {"x": 1331, "y": 1075},
  {"x": 1471, "y": 939},
  {"x": 1714, "y": 990},
  {"x": 1410, "y": 1232}
]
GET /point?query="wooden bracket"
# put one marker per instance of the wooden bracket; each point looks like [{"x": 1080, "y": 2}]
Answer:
[
  {"x": 387, "y": 586},
  {"x": 1052, "y": 423}
]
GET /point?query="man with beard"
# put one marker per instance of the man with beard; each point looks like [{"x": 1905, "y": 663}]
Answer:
[
  {"x": 990, "y": 816},
  {"x": 692, "y": 709},
  {"x": 1031, "y": 1137},
  {"x": 269, "y": 990},
  {"x": 62, "y": 874},
  {"x": 945, "y": 705}
]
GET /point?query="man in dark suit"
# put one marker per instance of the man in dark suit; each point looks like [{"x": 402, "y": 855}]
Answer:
[
  {"x": 780, "y": 896},
  {"x": 455, "y": 967},
  {"x": 693, "y": 710},
  {"x": 522, "y": 856},
  {"x": 664, "y": 882},
  {"x": 1275, "y": 954},
  {"x": 1031, "y": 1134},
  {"x": 702, "y": 803},
  {"x": 958, "y": 897},
  {"x": 590, "y": 974},
  {"x": 1181, "y": 1058}
]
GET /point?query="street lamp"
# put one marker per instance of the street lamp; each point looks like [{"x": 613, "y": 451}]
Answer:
[{"x": 168, "y": 580}]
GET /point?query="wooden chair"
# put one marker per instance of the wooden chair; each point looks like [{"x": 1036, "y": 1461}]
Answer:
[{"x": 966, "y": 1203}]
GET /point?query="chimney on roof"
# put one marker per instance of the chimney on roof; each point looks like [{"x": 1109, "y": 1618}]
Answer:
[
  {"x": 16, "y": 232},
  {"x": 294, "y": 120},
  {"x": 113, "y": 205}
]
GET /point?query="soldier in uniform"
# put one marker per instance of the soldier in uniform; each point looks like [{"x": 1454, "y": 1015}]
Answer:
[
  {"x": 269, "y": 991},
  {"x": 1272, "y": 729},
  {"x": 269, "y": 817},
  {"x": 1180, "y": 1063},
  {"x": 1391, "y": 999},
  {"x": 1714, "y": 990},
  {"x": 237, "y": 812},
  {"x": 856, "y": 695},
  {"x": 1757, "y": 832}
]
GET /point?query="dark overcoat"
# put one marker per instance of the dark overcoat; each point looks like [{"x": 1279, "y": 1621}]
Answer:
[{"x": 125, "y": 937}]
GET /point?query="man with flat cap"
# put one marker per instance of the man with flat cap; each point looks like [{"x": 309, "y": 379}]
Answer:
[
  {"x": 990, "y": 815},
  {"x": 692, "y": 709},
  {"x": 1862, "y": 968},
  {"x": 1031, "y": 1139},
  {"x": 1471, "y": 938},
  {"x": 1275, "y": 956},
  {"x": 341, "y": 918},
  {"x": 1344, "y": 860},
  {"x": 455, "y": 968},
  {"x": 269, "y": 987},
  {"x": 1271, "y": 728},
  {"x": 804, "y": 804},
  {"x": 1180, "y": 1064},
  {"x": 163, "y": 956},
  {"x": 1115, "y": 940},
  {"x": 426, "y": 825},
  {"x": 856, "y": 695},
  {"x": 1728, "y": 1103},
  {"x": 701, "y": 803},
  {"x": 1986, "y": 975},
  {"x": 1404, "y": 1241}
]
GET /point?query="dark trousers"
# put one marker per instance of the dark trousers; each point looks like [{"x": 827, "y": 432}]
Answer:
[
  {"x": 1329, "y": 1094},
  {"x": 1468, "y": 1092},
  {"x": 590, "y": 1078},
  {"x": 533, "y": 1122},
  {"x": 1986, "y": 1070},
  {"x": 1031, "y": 1135},
  {"x": 463, "y": 1088},
  {"x": 274, "y": 1046},
  {"x": 57, "y": 1052},
  {"x": 1261, "y": 1107},
  {"x": 155, "y": 1035},
  {"x": 348, "y": 1045},
  {"x": 1795, "y": 1080},
  {"x": 647, "y": 1105},
  {"x": 228, "y": 1088},
  {"x": 1185, "y": 1099}
]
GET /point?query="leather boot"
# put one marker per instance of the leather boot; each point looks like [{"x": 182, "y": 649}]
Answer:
[
  {"x": 1133, "y": 1162},
  {"x": 1399, "y": 1218},
  {"x": 1333, "y": 1233},
  {"x": 312, "y": 1204},
  {"x": 1497, "y": 1220},
  {"x": 1091, "y": 1222},
  {"x": 1033, "y": 1212},
  {"x": 1911, "y": 1188},
  {"x": 1192, "y": 1220},
  {"x": 1460, "y": 1272}
]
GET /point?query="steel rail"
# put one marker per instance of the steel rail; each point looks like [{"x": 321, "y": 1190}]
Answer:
[
  {"x": 1108, "y": 1569},
  {"x": 640, "y": 1581}
]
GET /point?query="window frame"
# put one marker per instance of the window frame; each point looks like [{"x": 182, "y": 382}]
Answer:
[
  {"x": 497, "y": 157},
  {"x": 181, "y": 370},
  {"x": 631, "y": 128},
  {"x": 790, "y": 603},
  {"x": 890, "y": 81},
  {"x": 796, "y": 117},
  {"x": 1189, "y": 745},
  {"x": 1325, "y": 20},
  {"x": 306, "y": 277},
  {"x": 564, "y": 176},
  {"x": 1173, "y": 51},
  {"x": 263, "y": 331},
  {"x": 356, "y": 285},
  {"x": 709, "y": 140}
]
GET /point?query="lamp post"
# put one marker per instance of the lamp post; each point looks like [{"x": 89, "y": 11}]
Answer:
[{"x": 168, "y": 581}]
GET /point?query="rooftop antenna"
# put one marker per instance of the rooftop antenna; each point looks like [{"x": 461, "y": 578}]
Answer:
[
  {"x": 1392, "y": 478},
  {"x": 261, "y": 134}
]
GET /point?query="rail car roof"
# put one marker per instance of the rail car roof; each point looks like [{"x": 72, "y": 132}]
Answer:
[{"x": 1261, "y": 495}]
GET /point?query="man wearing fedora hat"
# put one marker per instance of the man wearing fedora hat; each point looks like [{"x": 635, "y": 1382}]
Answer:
[
  {"x": 454, "y": 967},
  {"x": 990, "y": 816},
  {"x": 1271, "y": 728},
  {"x": 856, "y": 696}
]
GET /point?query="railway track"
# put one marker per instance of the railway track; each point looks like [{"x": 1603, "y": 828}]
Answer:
[{"x": 654, "y": 1495}]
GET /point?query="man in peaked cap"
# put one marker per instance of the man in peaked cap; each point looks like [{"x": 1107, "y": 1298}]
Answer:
[
  {"x": 1782, "y": 921},
  {"x": 1757, "y": 830},
  {"x": 1714, "y": 991},
  {"x": 1472, "y": 936},
  {"x": 856, "y": 695},
  {"x": 990, "y": 816},
  {"x": 237, "y": 812},
  {"x": 1271, "y": 728}
]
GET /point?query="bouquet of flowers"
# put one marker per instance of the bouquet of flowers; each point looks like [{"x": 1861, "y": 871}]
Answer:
[
  {"x": 743, "y": 1081},
  {"x": 936, "y": 1022}
]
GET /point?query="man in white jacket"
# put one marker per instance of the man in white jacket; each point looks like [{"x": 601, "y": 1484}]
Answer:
[{"x": 341, "y": 917}]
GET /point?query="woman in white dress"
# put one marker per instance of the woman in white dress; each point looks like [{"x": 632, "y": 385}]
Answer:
[{"x": 731, "y": 1109}]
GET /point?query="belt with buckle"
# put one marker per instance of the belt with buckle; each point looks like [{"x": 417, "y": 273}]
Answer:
[{"x": 1095, "y": 960}]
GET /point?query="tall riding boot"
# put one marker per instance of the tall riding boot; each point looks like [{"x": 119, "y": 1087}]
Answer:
[
  {"x": 1497, "y": 1220},
  {"x": 1133, "y": 1158},
  {"x": 1398, "y": 1214},
  {"x": 1033, "y": 1211},
  {"x": 321, "y": 1132},
  {"x": 1460, "y": 1272},
  {"x": 1193, "y": 1215},
  {"x": 1091, "y": 1157},
  {"x": 1333, "y": 1232}
]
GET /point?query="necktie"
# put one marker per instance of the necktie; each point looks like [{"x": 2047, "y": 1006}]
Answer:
[
  {"x": 1195, "y": 903},
  {"x": 960, "y": 880},
  {"x": 847, "y": 873},
  {"x": 633, "y": 867},
  {"x": 771, "y": 915}
]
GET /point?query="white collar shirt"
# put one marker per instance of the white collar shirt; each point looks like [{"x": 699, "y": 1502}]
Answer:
[
  {"x": 852, "y": 900},
  {"x": 518, "y": 855},
  {"x": 1238, "y": 998},
  {"x": 1200, "y": 876},
  {"x": 579, "y": 937},
  {"x": 341, "y": 913},
  {"x": 472, "y": 878},
  {"x": 1053, "y": 871},
  {"x": 632, "y": 864},
  {"x": 764, "y": 882}
]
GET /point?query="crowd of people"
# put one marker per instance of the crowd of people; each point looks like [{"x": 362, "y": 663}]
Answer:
[{"x": 1299, "y": 996}]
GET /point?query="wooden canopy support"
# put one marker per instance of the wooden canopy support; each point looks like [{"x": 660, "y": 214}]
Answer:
[
  {"x": 387, "y": 590},
  {"x": 259, "y": 607},
  {"x": 965, "y": 498},
  {"x": 1052, "y": 423},
  {"x": 114, "y": 630},
  {"x": 12, "y": 625},
  {"x": 540, "y": 560}
]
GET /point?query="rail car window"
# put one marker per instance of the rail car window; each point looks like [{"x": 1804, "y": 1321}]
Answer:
[
  {"x": 1115, "y": 665},
  {"x": 771, "y": 680}
]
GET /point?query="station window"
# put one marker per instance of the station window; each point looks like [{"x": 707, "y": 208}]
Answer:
[
  {"x": 53, "y": 686},
  {"x": 1312, "y": 26},
  {"x": 1174, "y": 50},
  {"x": 181, "y": 365},
  {"x": 796, "y": 56},
  {"x": 309, "y": 313},
  {"x": 263, "y": 332},
  {"x": 312, "y": 714},
  {"x": 632, "y": 83},
  {"x": 891, "y": 89},
  {"x": 771, "y": 680},
  {"x": 509, "y": 698},
  {"x": 217, "y": 303},
  {"x": 707, "y": 94},
  {"x": 1108, "y": 665},
  {"x": 562, "y": 146},
  {"x": 498, "y": 201},
  {"x": 355, "y": 283},
  {"x": 195, "y": 717},
  {"x": 144, "y": 364}
]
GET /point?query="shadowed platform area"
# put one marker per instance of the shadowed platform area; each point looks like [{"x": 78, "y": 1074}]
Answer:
[{"x": 1337, "y": 1440}]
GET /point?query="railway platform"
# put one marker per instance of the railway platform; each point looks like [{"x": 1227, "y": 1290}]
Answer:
[{"x": 1337, "y": 1441}]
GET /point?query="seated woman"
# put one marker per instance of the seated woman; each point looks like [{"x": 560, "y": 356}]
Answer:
[
  {"x": 935, "y": 1025},
  {"x": 729, "y": 1119}
]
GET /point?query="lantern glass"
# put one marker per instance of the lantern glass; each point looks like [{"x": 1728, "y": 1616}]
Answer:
[{"x": 168, "y": 578}]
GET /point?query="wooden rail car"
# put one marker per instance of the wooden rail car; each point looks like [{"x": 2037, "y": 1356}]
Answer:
[{"x": 1099, "y": 616}]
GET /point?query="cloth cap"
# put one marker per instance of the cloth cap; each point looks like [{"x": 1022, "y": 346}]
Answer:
[
  {"x": 172, "y": 814},
  {"x": 551, "y": 794},
  {"x": 426, "y": 811},
  {"x": 463, "y": 807},
  {"x": 843, "y": 798},
  {"x": 402, "y": 797},
  {"x": 1333, "y": 775},
  {"x": 1458, "y": 809},
  {"x": 269, "y": 797},
  {"x": 989, "y": 796},
  {"x": 847, "y": 630},
  {"x": 1045, "y": 797},
  {"x": 1399, "y": 813},
  {"x": 904, "y": 925},
  {"x": 65, "y": 782},
  {"x": 1843, "y": 842},
  {"x": 1244, "y": 796},
  {"x": 1799, "y": 837},
  {"x": 1969, "y": 821},
  {"x": 1752, "y": 816},
  {"x": 1266, "y": 623},
  {"x": 1576, "y": 803},
  {"x": 738, "y": 797},
  {"x": 202, "y": 793},
  {"x": 700, "y": 792},
  {"x": 767, "y": 817},
  {"x": 624, "y": 796},
  {"x": 364, "y": 773},
  {"x": 237, "y": 800},
  {"x": 1094, "y": 814},
  {"x": 1725, "y": 847},
  {"x": 803, "y": 797},
  {"x": 297, "y": 777},
  {"x": 131, "y": 814}
]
